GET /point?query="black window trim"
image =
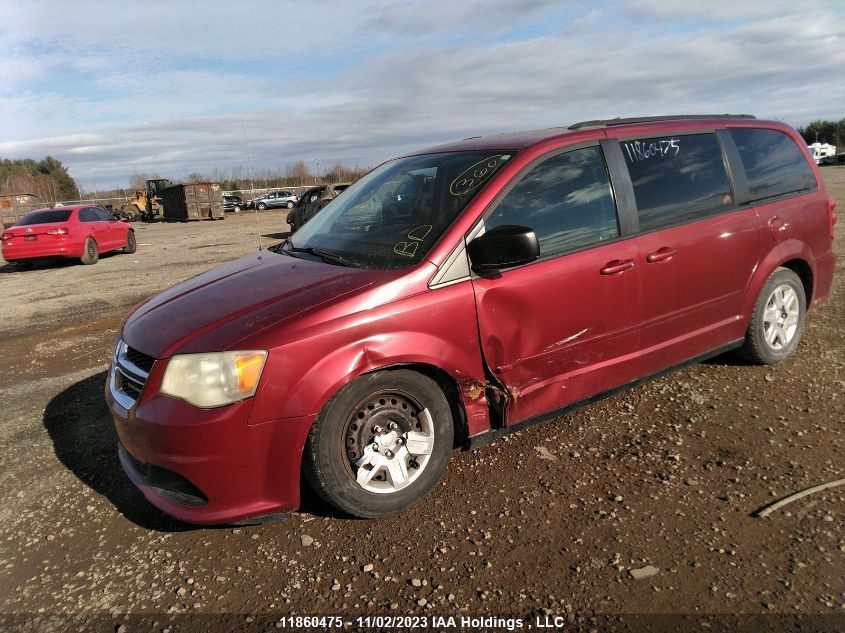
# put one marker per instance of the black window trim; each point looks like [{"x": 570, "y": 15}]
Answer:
[
  {"x": 526, "y": 169},
  {"x": 726, "y": 164}
]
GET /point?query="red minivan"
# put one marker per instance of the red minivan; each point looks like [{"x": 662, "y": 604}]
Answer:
[{"x": 463, "y": 292}]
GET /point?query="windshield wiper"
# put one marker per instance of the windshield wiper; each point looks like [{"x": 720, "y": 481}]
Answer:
[{"x": 326, "y": 256}]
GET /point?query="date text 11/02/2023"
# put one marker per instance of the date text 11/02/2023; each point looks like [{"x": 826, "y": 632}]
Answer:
[{"x": 423, "y": 622}]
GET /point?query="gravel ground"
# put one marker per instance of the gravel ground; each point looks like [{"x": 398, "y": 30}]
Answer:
[{"x": 638, "y": 504}]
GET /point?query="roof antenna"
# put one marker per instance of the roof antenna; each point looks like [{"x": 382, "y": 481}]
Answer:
[{"x": 251, "y": 184}]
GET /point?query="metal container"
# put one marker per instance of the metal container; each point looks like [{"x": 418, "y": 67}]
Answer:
[
  {"x": 194, "y": 201},
  {"x": 15, "y": 205}
]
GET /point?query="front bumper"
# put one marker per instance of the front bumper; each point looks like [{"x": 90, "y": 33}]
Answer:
[{"x": 208, "y": 466}]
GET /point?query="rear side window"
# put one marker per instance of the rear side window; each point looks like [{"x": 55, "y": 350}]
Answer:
[
  {"x": 566, "y": 200},
  {"x": 43, "y": 217},
  {"x": 87, "y": 215},
  {"x": 677, "y": 179},
  {"x": 774, "y": 165}
]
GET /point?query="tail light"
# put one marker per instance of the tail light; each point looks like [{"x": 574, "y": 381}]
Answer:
[
  {"x": 831, "y": 205},
  {"x": 5, "y": 236},
  {"x": 59, "y": 231}
]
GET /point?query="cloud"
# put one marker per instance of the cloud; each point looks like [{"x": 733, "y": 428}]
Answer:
[{"x": 168, "y": 88}]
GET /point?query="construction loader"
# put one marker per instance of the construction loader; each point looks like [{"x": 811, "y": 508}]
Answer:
[{"x": 146, "y": 203}]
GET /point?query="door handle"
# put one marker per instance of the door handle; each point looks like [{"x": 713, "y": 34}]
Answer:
[
  {"x": 617, "y": 266},
  {"x": 661, "y": 255}
]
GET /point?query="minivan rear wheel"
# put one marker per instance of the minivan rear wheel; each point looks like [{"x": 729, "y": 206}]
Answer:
[
  {"x": 380, "y": 444},
  {"x": 777, "y": 320}
]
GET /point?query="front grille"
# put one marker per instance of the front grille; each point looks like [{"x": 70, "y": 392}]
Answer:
[
  {"x": 129, "y": 374},
  {"x": 130, "y": 387},
  {"x": 139, "y": 359}
]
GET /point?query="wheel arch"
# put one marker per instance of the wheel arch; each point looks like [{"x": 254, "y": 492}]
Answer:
[
  {"x": 89, "y": 236},
  {"x": 447, "y": 384},
  {"x": 293, "y": 394},
  {"x": 791, "y": 254},
  {"x": 805, "y": 273}
]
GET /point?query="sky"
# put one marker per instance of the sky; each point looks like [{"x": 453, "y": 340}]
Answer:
[{"x": 117, "y": 88}]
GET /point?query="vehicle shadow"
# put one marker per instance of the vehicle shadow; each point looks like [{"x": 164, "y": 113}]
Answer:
[
  {"x": 84, "y": 440},
  {"x": 312, "y": 503},
  {"x": 728, "y": 359},
  {"x": 276, "y": 236},
  {"x": 47, "y": 263}
]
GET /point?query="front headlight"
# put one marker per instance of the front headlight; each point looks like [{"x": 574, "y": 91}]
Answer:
[{"x": 213, "y": 379}]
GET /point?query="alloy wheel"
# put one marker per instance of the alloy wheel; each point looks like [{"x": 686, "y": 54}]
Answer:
[{"x": 780, "y": 317}]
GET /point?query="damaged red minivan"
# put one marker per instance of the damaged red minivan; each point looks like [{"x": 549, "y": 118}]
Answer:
[{"x": 462, "y": 292}]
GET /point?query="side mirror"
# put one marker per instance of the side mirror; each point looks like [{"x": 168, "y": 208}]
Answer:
[{"x": 503, "y": 247}]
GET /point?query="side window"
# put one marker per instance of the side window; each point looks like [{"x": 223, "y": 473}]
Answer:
[
  {"x": 774, "y": 165},
  {"x": 102, "y": 215},
  {"x": 87, "y": 215},
  {"x": 677, "y": 178},
  {"x": 566, "y": 200}
]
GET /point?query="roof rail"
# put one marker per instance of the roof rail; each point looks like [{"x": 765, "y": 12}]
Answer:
[{"x": 648, "y": 119}]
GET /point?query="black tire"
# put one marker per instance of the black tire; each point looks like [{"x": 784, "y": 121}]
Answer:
[
  {"x": 769, "y": 337},
  {"x": 89, "y": 252},
  {"x": 289, "y": 205},
  {"x": 398, "y": 397},
  {"x": 262, "y": 206},
  {"x": 131, "y": 243}
]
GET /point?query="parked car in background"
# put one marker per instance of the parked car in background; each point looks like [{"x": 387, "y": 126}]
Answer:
[
  {"x": 81, "y": 232},
  {"x": 518, "y": 277},
  {"x": 312, "y": 201},
  {"x": 232, "y": 203},
  {"x": 273, "y": 200}
]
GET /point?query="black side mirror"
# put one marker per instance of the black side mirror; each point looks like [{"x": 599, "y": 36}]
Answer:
[{"x": 503, "y": 247}]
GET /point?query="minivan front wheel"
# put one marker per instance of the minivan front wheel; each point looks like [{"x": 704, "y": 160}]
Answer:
[
  {"x": 380, "y": 444},
  {"x": 777, "y": 320}
]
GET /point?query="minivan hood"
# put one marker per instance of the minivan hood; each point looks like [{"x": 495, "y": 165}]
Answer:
[{"x": 215, "y": 310}]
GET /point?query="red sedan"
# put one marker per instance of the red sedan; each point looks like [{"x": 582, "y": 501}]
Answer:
[{"x": 79, "y": 232}]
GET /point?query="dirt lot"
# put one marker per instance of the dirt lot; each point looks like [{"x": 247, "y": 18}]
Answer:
[{"x": 556, "y": 520}]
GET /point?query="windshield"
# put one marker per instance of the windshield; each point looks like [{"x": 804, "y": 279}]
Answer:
[
  {"x": 43, "y": 217},
  {"x": 392, "y": 217}
]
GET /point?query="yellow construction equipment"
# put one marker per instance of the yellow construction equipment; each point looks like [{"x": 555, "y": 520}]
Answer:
[{"x": 145, "y": 204}]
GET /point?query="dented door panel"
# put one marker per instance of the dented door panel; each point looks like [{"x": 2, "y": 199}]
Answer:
[{"x": 557, "y": 331}]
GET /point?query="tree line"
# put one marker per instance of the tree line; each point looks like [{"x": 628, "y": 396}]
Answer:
[
  {"x": 48, "y": 179},
  {"x": 237, "y": 179},
  {"x": 832, "y": 132}
]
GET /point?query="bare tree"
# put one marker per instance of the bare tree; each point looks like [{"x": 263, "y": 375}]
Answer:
[{"x": 297, "y": 173}]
